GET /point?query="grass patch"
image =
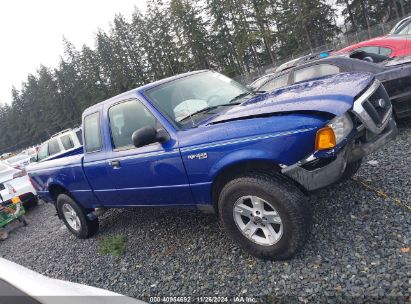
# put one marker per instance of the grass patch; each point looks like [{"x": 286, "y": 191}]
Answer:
[{"x": 114, "y": 245}]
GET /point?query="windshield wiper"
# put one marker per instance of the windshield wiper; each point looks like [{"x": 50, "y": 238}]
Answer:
[
  {"x": 240, "y": 96},
  {"x": 207, "y": 109}
]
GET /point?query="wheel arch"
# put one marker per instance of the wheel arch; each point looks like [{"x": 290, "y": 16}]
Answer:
[
  {"x": 238, "y": 168},
  {"x": 55, "y": 190}
]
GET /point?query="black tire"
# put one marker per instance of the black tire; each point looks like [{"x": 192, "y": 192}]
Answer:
[
  {"x": 350, "y": 170},
  {"x": 32, "y": 202},
  {"x": 288, "y": 201},
  {"x": 87, "y": 227},
  {"x": 23, "y": 219}
]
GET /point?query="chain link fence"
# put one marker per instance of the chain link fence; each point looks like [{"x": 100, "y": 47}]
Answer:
[{"x": 341, "y": 41}]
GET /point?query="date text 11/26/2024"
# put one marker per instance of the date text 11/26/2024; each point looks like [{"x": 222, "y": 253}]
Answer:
[{"x": 201, "y": 299}]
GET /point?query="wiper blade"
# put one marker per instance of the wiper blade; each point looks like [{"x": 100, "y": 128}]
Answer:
[
  {"x": 198, "y": 112},
  {"x": 240, "y": 96},
  {"x": 207, "y": 109}
]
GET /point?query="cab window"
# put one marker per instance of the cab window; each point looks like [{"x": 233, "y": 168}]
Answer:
[
  {"x": 315, "y": 71},
  {"x": 125, "y": 118},
  {"x": 92, "y": 132}
]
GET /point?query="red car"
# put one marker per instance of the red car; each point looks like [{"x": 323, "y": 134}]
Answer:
[{"x": 391, "y": 46}]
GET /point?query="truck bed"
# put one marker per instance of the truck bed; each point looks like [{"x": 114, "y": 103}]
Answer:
[{"x": 66, "y": 172}]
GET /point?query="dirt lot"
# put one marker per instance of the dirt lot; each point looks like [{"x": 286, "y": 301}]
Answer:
[{"x": 359, "y": 246}]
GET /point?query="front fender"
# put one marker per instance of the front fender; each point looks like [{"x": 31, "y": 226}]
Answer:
[{"x": 241, "y": 156}]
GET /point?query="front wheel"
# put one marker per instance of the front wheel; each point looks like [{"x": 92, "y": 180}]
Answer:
[
  {"x": 76, "y": 218},
  {"x": 351, "y": 169},
  {"x": 266, "y": 215}
]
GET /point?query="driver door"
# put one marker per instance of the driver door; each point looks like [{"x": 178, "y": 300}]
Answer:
[{"x": 149, "y": 175}]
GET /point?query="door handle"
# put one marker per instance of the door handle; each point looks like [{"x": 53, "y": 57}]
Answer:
[{"x": 115, "y": 164}]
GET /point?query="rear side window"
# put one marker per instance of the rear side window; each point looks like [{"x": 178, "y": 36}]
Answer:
[
  {"x": 125, "y": 118},
  {"x": 92, "y": 132},
  {"x": 379, "y": 50},
  {"x": 43, "y": 151},
  {"x": 275, "y": 83},
  {"x": 370, "y": 49},
  {"x": 67, "y": 142},
  {"x": 79, "y": 137},
  {"x": 385, "y": 51},
  {"x": 315, "y": 71},
  {"x": 54, "y": 147}
]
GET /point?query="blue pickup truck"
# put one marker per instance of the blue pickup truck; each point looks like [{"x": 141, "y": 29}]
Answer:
[{"x": 201, "y": 140}]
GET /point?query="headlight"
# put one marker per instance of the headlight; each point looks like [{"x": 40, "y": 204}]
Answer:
[
  {"x": 342, "y": 126},
  {"x": 333, "y": 133}
]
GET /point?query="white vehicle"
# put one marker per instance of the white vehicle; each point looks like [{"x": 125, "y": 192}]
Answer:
[
  {"x": 403, "y": 27},
  {"x": 60, "y": 143},
  {"x": 19, "y": 161},
  {"x": 5, "y": 155},
  {"x": 22, "y": 285},
  {"x": 32, "y": 152},
  {"x": 15, "y": 182}
]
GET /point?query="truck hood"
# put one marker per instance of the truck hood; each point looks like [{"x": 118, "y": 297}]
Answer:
[{"x": 332, "y": 95}]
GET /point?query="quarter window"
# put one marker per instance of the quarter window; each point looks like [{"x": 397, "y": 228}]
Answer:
[
  {"x": 125, "y": 118},
  {"x": 315, "y": 71},
  {"x": 67, "y": 142},
  {"x": 92, "y": 132},
  {"x": 54, "y": 147}
]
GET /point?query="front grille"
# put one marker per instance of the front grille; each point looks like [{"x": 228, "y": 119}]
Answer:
[
  {"x": 377, "y": 105},
  {"x": 373, "y": 108}
]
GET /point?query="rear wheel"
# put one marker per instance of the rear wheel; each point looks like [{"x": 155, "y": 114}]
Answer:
[
  {"x": 23, "y": 219},
  {"x": 265, "y": 214},
  {"x": 31, "y": 202},
  {"x": 76, "y": 218}
]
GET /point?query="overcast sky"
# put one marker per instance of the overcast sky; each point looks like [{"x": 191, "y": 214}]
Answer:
[{"x": 32, "y": 32}]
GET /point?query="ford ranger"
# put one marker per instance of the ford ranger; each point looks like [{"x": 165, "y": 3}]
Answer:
[{"x": 201, "y": 140}]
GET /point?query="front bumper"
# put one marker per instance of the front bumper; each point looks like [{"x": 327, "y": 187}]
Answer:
[{"x": 312, "y": 176}]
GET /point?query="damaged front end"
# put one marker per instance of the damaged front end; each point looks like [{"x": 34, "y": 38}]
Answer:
[{"x": 372, "y": 127}]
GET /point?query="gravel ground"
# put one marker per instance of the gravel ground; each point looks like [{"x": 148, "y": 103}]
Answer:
[{"x": 357, "y": 248}]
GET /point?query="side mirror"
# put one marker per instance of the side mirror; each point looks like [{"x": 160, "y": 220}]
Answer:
[{"x": 148, "y": 135}]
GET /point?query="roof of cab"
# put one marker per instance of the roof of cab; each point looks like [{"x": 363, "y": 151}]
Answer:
[{"x": 143, "y": 88}]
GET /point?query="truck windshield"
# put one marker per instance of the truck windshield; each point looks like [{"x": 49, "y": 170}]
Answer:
[{"x": 188, "y": 100}]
